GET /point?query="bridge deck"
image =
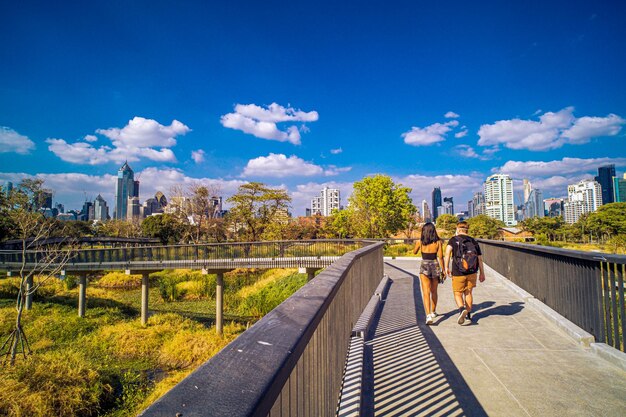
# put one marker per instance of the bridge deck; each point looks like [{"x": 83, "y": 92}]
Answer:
[{"x": 511, "y": 362}]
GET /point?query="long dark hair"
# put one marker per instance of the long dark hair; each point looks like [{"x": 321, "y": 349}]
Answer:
[{"x": 429, "y": 234}]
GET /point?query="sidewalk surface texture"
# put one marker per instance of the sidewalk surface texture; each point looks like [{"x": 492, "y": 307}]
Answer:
[{"x": 509, "y": 362}]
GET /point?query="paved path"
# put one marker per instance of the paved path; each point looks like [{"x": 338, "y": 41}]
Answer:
[{"x": 510, "y": 362}]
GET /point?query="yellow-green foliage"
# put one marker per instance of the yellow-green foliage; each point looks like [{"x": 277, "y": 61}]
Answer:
[
  {"x": 119, "y": 280},
  {"x": 56, "y": 383},
  {"x": 263, "y": 297},
  {"x": 399, "y": 250},
  {"x": 266, "y": 278}
]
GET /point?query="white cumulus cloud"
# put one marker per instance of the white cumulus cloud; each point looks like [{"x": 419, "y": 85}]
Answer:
[
  {"x": 551, "y": 131},
  {"x": 280, "y": 166},
  {"x": 11, "y": 141},
  {"x": 140, "y": 138},
  {"x": 198, "y": 156},
  {"x": 525, "y": 169},
  {"x": 468, "y": 152},
  {"x": 262, "y": 122},
  {"x": 336, "y": 151},
  {"x": 428, "y": 135},
  {"x": 451, "y": 115},
  {"x": 461, "y": 134}
]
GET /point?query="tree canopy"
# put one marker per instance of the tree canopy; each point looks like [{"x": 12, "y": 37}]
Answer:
[
  {"x": 483, "y": 226},
  {"x": 255, "y": 207},
  {"x": 447, "y": 223},
  {"x": 378, "y": 207}
]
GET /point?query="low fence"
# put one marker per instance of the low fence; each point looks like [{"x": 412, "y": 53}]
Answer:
[
  {"x": 291, "y": 361},
  {"x": 587, "y": 288}
]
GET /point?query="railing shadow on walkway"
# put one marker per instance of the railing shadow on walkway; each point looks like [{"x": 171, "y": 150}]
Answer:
[{"x": 414, "y": 374}]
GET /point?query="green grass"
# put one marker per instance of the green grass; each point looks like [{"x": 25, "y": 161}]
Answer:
[{"x": 107, "y": 363}]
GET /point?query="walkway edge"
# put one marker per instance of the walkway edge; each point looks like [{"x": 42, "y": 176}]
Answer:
[{"x": 610, "y": 354}]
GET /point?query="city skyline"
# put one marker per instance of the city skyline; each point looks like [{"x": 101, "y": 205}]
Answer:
[{"x": 432, "y": 95}]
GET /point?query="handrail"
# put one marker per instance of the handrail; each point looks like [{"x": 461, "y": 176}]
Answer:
[{"x": 291, "y": 361}]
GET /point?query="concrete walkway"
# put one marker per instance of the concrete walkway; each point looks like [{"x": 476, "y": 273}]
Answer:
[{"x": 509, "y": 362}]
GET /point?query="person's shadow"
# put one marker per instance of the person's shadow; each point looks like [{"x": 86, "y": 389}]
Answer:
[{"x": 486, "y": 309}]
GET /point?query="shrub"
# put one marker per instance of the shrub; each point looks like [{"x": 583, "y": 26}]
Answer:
[
  {"x": 119, "y": 280},
  {"x": 268, "y": 297}
]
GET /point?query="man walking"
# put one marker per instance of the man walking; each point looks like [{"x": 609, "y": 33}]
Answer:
[{"x": 467, "y": 260}]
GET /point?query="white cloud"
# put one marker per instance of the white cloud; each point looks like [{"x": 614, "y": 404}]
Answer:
[
  {"x": 552, "y": 131},
  {"x": 451, "y": 115},
  {"x": 90, "y": 138},
  {"x": 429, "y": 134},
  {"x": 526, "y": 169},
  {"x": 280, "y": 166},
  {"x": 461, "y": 134},
  {"x": 336, "y": 151},
  {"x": 262, "y": 122},
  {"x": 11, "y": 141},
  {"x": 468, "y": 152},
  {"x": 198, "y": 156},
  {"x": 140, "y": 138}
]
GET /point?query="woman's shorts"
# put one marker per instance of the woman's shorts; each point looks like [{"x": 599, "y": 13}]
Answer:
[{"x": 431, "y": 269}]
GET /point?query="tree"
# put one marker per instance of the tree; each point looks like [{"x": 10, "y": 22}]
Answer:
[
  {"x": 550, "y": 227},
  {"x": 120, "y": 228},
  {"x": 483, "y": 226},
  {"x": 255, "y": 207},
  {"x": 165, "y": 227},
  {"x": 32, "y": 228},
  {"x": 447, "y": 223},
  {"x": 378, "y": 207},
  {"x": 339, "y": 225},
  {"x": 609, "y": 220}
]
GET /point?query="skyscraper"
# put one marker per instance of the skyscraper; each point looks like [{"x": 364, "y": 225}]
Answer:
[
  {"x": 126, "y": 188},
  {"x": 100, "y": 209},
  {"x": 527, "y": 189},
  {"x": 436, "y": 202},
  {"x": 426, "y": 214},
  {"x": 478, "y": 204},
  {"x": 499, "y": 198},
  {"x": 328, "y": 200},
  {"x": 619, "y": 190},
  {"x": 583, "y": 197},
  {"x": 533, "y": 207},
  {"x": 605, "y": 179},
  {"x": 449, "y": 200}
]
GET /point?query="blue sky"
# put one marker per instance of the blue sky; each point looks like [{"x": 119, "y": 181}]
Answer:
[{"x": 311, "y": 94}]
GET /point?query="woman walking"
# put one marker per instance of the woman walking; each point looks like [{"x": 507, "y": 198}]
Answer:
[{"x": 430, "y": 269}]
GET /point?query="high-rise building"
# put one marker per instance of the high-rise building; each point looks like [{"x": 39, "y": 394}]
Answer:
[
  {"x": 470, "y": 209},
  {"x": 87, "y": 210},
  {"x": 60, "y": 207},
  {"x": 583, "y": 197},
  {"x": 133, "y": 211},
  {"x": 533, "y": 207},
  {"x": 100, "y": 209},
  {"x": 553, "y": 207},
  {"x": 527, "y": 189},
  {"x": 436, "y": 202},
  {"x": 448, "y": 208},
  {"x": 7, "y": 187},
  {"x": 426, "y": 214},
  {"x": 328, "y": 200},
  {"x": 126, "y": 188},
  {"x": 451, "y": 201},
  {"x": 478, "y": 205},
  {"x": 619, "y": 190},
  {"x": 605, "y": 179},
  {"x": 499, "y": 205}
]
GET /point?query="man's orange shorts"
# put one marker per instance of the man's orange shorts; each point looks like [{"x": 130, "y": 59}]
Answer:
[{"x": 462, "y": 283}]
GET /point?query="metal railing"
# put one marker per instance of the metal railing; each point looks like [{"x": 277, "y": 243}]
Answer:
[
  {"x": 291, "y": 361},
  {"x": 187, "y": 255},
  {"x": 587, "y": 288}
]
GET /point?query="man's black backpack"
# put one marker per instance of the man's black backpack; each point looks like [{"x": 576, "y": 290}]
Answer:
[{"x": 466, "y": 255}]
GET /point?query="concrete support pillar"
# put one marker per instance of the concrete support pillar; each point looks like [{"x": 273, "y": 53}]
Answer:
[
  {"x": 145, "y": 287},
  {"x": 219, "y": 303},
  {"x": 310, "y": 272},
  {"x": 82, "y": 294},
  {"x": 29, "y": 295}
]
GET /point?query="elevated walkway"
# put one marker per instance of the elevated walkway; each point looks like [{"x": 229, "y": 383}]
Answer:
[{"x": 510, "y": 362}]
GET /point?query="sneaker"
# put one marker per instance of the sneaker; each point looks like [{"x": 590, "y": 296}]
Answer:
[
  {"x": 434, "y": 314},
  {"x": 429, "y": 319},
  {"x": 469, "y": 316},
  {"x": 462, "y": 315}
]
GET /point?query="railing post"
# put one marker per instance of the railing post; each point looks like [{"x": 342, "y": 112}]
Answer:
[
  {"x": 82, "y": 294},
  {"x": 219, "y": 303},
  {"x": 29, "y": 295},
  {"x": 145, "y": 288}
]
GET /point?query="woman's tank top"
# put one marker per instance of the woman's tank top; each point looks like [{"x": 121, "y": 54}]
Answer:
[{"x": 431, "y": 256}]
